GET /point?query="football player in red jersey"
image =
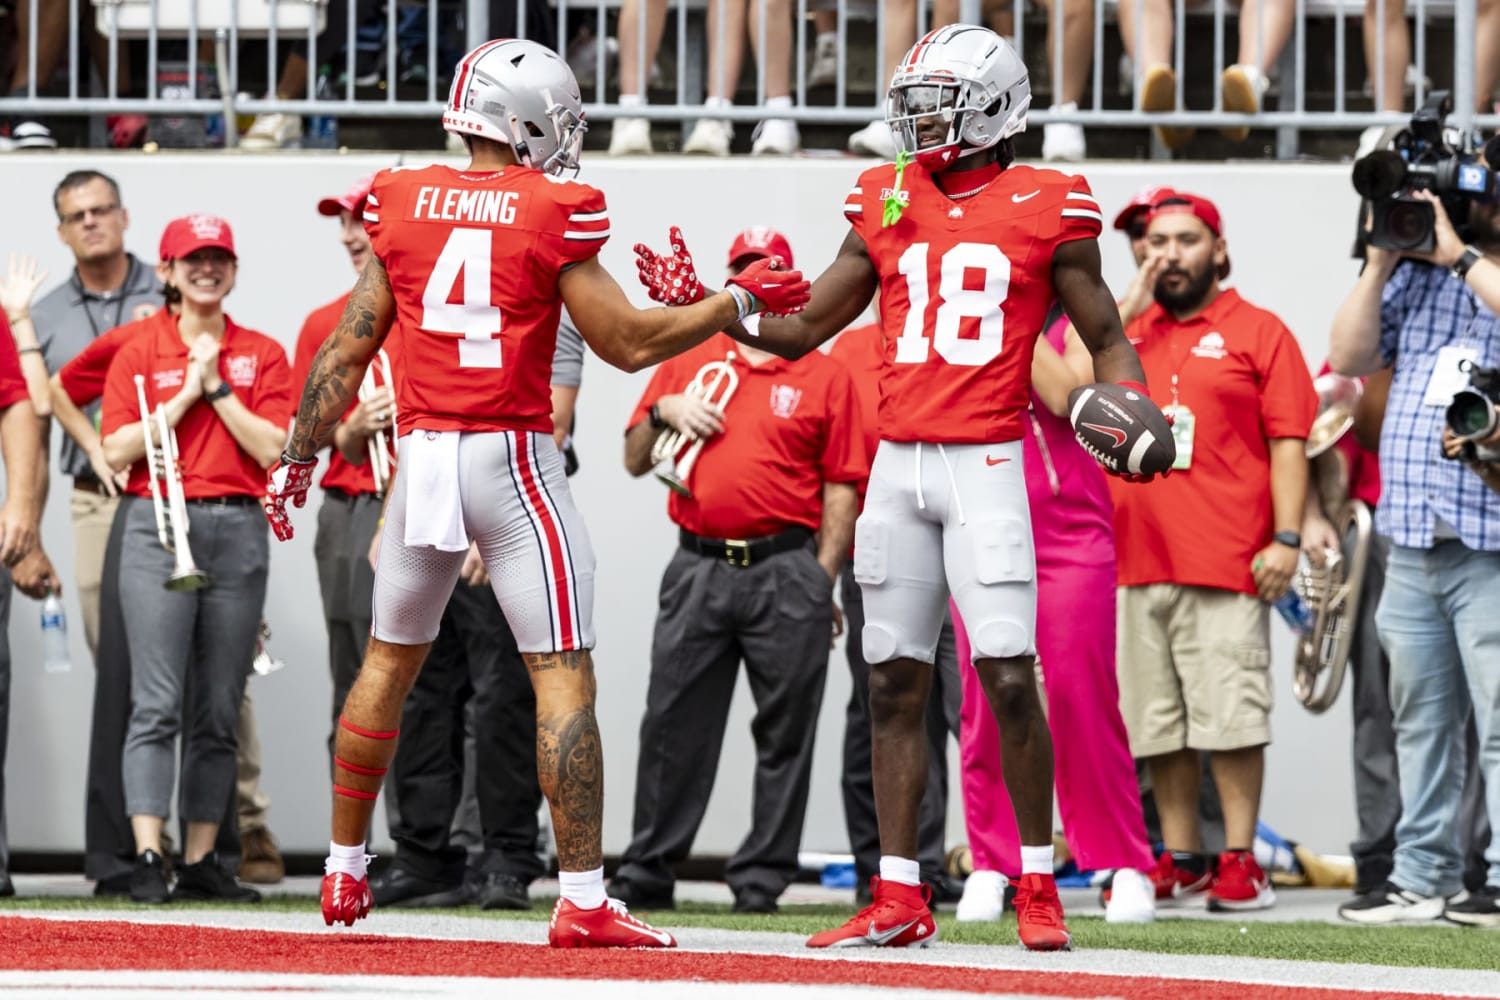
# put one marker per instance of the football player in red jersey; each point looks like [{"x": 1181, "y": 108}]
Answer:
[
  {"x": 967, "y": 252},
  {"x": 472, "y": 268}
]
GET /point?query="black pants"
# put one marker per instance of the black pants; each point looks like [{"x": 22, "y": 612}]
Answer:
[
  {"x": 474, "y": 657},
  {"x": 346, "y": 524},
  {"x": 776, "y": 616},
  {"x": 109, "y": 844},
  {"x": 858, "y": 783}
]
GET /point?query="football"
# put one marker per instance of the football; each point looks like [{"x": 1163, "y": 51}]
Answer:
[{"x": 1122, "y": 429}]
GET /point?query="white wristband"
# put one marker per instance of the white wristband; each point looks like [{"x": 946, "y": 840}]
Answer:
[{"x": 743, "y": 299}]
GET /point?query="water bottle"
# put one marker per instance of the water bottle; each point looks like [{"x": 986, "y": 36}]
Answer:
[
  {"x": 55, "y": 635},
  {"x": 323, "y": 130},
  {"x": 1294, "y": 610}
]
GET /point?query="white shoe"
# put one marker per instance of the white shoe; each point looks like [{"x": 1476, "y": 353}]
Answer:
[
  {"x": 825, "y": 67},
  {"x": 1063, "y": 140},
  {"x": 710, "y": 137},
  {"x": 874, "y": 139},
  {"x": 1132, "y": 898},
  {"x": 776, "y": 137},
  {"x": 273, "y": 131},
  {"x": 630, "y": 137},
  {"x": 984, "y": 896},
  {"x": 1242, "y": 89}
]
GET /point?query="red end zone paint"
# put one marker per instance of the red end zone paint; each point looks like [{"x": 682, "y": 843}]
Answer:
[{"x": 29, "y": 944}]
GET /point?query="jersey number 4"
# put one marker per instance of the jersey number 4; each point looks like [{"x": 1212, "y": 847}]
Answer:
[
  {"x": 474, "y": 319},
  {"x": 955, "y": 301}
]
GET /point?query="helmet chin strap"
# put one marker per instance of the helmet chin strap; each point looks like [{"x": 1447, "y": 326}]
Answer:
[{"x": 518, "y": 144}]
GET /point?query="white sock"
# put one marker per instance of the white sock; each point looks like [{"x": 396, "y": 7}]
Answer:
[
  {"x": 1036, "y": 860},
  {"x": 584, "y": 890},
  {"x": 352, "y": 861},
  {"x": 901, "y": 870},
  {"x": 778, "y": 104},
  {"x": 1070, "y": 106},
  {"x": 715, "y": 102},
  {"x": 830, "y": 38},
  {"x": 631, "y": 100}
]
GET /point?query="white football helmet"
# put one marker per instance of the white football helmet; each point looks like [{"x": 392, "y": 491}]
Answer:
[
  {"x": 969, "y": 76},
  {"x": 522, "y": 94}
]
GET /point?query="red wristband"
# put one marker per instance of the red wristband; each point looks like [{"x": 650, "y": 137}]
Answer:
[{"x": 1136, "y": 387}]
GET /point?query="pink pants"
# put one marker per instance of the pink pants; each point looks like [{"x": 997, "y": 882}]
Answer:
[{"x": 1096, "y": 785}]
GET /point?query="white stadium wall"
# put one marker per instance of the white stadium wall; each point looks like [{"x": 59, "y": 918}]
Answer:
[{"x": 1288, "y": 227}]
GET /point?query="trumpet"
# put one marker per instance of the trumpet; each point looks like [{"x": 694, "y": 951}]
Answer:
[
  {"x": 1332, "y": 592},
  {"x": 171, "y": 512},
  {"x": 675, "y": 452},
  {"x": 382, "y": 443}
]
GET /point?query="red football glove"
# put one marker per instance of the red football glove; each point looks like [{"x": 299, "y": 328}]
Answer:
[
  {"x": 289, "y": 479},
  {"x": 777, "y": 290},
  {"x": 670, "y": 280}
]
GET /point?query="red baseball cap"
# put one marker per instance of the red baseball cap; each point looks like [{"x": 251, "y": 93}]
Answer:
[
  {"x": 1143, "y": 200},
  {"x": 350, "y": 200},
  {"x": 1200, "y": 208},
  {"x": 760, "y": 241},
  {"x": 196, "y": 232}
]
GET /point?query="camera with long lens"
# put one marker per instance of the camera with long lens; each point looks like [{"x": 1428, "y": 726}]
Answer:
[
  {"x": 1471, "y": 415},
  {"x": 1423, "y": 157}
]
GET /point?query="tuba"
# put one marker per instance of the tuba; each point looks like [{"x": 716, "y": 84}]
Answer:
[
  {"x": 171, "y": 512},
  {"x": 1332, "y": 592},
  {"x": 382, "y": 444},
  {"x": 675, "y": 452}
]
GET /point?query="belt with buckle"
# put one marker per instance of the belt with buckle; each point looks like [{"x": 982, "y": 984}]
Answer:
[
  {"x": 744, "y": 551},
  {"x": 239, "y": 500},
  {"x": 88, "y": 484}
]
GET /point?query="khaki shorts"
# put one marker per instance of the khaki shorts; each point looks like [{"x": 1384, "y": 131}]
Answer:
[{"x": 1194, "y": 669}]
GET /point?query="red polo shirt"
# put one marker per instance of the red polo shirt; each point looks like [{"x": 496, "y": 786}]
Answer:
[
  {"x": 342, "y": 474},
  {"x": 1241, "y": 373},
  {"x": 83, "y": 377},
  {"x": 790, "y": 427},
  {"x": 861, "y": 350},
  {"x": 12, "y": 382},
  {"x": 211, "y": 462}
]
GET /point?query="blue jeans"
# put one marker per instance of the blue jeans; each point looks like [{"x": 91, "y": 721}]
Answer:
[{"x": 1438, "y": 622}]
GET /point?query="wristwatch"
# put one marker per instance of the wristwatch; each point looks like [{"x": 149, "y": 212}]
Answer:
[
  {"x": 657, "y": 423},
  {"x": 1466, "y": 260},
  {"x": 219, "y": 393},
  {"x": 1291, "y": 538}
]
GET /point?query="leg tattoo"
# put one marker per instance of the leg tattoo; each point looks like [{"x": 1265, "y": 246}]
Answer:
[{"x": 569, "y": 759}]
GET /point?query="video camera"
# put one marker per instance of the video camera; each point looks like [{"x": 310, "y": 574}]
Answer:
[
  {"x": 1471, "y": 415},
  {"x": 1423, "y": 158}
]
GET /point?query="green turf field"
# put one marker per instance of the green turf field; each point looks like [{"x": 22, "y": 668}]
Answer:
[{"x": 1436, "y": 946}]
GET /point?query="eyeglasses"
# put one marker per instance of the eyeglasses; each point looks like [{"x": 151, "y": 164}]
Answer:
[{"x": 99, "y": 212}]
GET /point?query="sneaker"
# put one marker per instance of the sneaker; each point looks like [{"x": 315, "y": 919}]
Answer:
[
  {"x": 630, "y": 137},
  {"x": 148, "y": 883},
  {"x": 345, "y": 899},
  {"x": 207, "y": 880},
  {"x": 983, "y": 898},
  {"x": 127, "y": 131},
  {"x": 1039, "y": 915},
  {"x": 499, "y": 891},
  {"x": 1480, "y": 909},
  {"x": 30, "y": 135},
  {"x": 750, "y": 900},
  {"x": 606, "y": 926},
  {"x": 874, "y": 139},
  {"x": 1159, "y": 93},
  {"x": 7, "y": 887},
  {"x": 898, "y": 917},
  {"x": 1129, "y": 898},
  {"x": 710, "y": 137},
  {"x": 825, "y": 67},
  {"x": 1239, "y": 884},
  {"x": 113, "y": 885},
  {"x": 260, "y": 860},
  {"x": 398, "y": 887},
  {"x": 273, "y": 131},
  {"x": 1063, "y": 142},
  {"x": 1241, "y": 88},
  {"x": 1178, "y": 886},
  {"x": 1391, "y": 904},
  {"x": 775, "y": 137}
]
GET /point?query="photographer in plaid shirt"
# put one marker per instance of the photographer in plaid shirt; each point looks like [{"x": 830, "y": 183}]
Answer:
[{"x": 1436, "y": 617}]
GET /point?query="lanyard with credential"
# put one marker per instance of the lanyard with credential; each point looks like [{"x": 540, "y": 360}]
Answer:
[
  {"x": 1183, "y": 419},
  {"x": 119, "y": 305}
]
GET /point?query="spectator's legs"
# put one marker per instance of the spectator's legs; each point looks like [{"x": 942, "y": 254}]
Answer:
[
  {"x": 1377, "y": 789},
  {"x": 1151, "y": 55},
  {"x": 1238, "y": 775},
  {"x": 825, "y": 67},
  {"x": 1064, "y": 140},
  {"x": 726, "y": 53},
  {"x": 1265, "y": 26},
  {"x": 1390, "y": 87},
  {"x": 633, "y": 135},
  {"x": 777, "y": 135},
  {"x": 1486, "y": 54},
  {"x": 1174, "y": 784}
]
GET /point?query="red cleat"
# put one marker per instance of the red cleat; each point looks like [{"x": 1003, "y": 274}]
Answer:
[
  {"x": 1039, "y": 915},
  {"x": 898, "y": 917},
  {"x": 1240, "y": 884},
  {"x": 1178, "y": 885},
  {"x": 607, "y": 926},
  {"x": 345, "y": 899}
]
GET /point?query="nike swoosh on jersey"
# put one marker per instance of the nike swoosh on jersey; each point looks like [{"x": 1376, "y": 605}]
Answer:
[
  {"x": 661, "y": 936},
  {"x": 1018, "y": 198},
  {"x": 878, "y": 936},
  {"x": 994, "y": 461}
]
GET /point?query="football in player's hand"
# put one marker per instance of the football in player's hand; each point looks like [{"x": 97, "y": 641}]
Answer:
[{"x": 1122, "y": 429}]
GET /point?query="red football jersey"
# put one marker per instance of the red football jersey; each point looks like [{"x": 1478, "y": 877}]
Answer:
[
  {"x": 964, "y": 291},
  {"x": 473, "y": 261}
]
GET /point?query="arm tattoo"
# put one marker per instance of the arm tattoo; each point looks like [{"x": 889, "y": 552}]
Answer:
[{"x": 333, "y": 381}]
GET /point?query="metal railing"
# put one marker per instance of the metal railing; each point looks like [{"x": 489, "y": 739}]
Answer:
[{"x": 237, "y": 29}]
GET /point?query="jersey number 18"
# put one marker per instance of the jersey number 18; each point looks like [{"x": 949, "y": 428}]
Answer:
[{"x": 954, "y": 302}]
